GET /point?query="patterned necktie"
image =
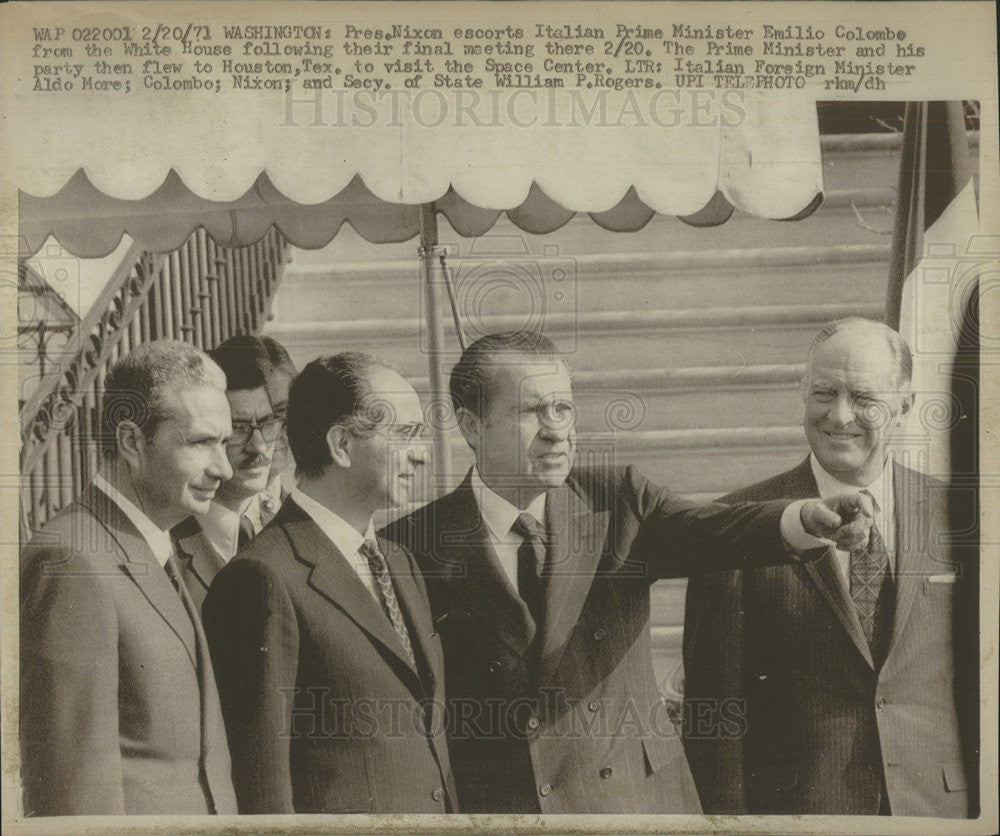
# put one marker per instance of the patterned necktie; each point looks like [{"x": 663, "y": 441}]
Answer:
[
  {"x": 868, "y": 571},
  {"x": 246, "y": 532},
  {"x": 530, "y": 563},
  {"x": 387, "y": 595}
]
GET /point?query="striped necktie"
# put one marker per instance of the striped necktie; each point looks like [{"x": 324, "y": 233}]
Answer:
[{"x": 387, "y": 595}]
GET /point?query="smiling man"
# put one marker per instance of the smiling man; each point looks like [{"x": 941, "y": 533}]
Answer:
[
  {"x": 119, "y": 711},
  {"x": 840, "y": 675},
  {"x": 538, "y": 571},
  {"x": 207, "y": 542},
  {"x": 329, "y": 667}
]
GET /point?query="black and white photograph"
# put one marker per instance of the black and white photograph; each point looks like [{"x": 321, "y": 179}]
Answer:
[{"x": 527, "y": 417}]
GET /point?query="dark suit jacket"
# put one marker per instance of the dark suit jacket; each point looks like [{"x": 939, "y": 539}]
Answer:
[
  {"x": 582, "y": 728},
  {"x": 787, "y": 711},
  {"x": 119, "y": 711},
  {"x": 198, "y": 560},
  {"x": 324, "y": 711}
]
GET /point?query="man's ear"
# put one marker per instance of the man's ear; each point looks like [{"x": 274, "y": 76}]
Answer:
[
  {"x": 905, "y": 406},
  {"x": 470, "y": 425},
  {"x": 337, "y": 440},
  {"x": 130, "y": 442}
]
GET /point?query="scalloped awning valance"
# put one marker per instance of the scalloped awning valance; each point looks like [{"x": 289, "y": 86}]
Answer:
[{"x": 620, "y": 157}]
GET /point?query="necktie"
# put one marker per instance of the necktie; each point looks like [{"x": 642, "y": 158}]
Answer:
[
  {"x": 387, "y": 595},
  {"x": 868, "y": 574},
  {"x": 530, "y": 563},
  {"x": 246, "y": 532}
]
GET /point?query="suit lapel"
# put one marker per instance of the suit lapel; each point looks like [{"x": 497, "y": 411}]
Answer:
[
  {"x": 202, "y": 559},
  {"x": 825, "y": 572},
  {"x": 576, "y": 542},
  {"x": 914, "y": 556},
  {"x": 141, "y": 566},
  {"x": 336, "y": 580},
  {"x": 415, "y": 610},
  {"x": 473, "y": 573}
]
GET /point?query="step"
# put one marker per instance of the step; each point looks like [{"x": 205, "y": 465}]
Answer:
[
  {"x": 700, "y": 464},
  {"x": 711, "y": 396},
  {"x": 592, "y": 341},
  {"x": 593, "y": 283},
  {"x": 846, "y": 217}
]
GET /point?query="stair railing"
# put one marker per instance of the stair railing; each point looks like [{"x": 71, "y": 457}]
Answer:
[{"x": 201, "y": 293}]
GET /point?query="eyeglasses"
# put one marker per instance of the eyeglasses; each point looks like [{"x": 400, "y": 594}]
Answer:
[{"x": 270, "y": 429}]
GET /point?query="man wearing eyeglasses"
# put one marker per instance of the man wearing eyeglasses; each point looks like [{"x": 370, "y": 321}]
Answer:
[
  {"x": 206, "y": 543},
  {"x": 538, "y": 568},
  {"x": 330, "y": 670}
]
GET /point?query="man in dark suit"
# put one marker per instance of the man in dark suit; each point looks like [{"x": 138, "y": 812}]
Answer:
[
  {"x": 207, "y": 542},
  {"x": 539, "y": 572},
  {"x": 119, "y": 711},
  {"x": 833, "y": 687},
  {"x": 329, "y": 667}
]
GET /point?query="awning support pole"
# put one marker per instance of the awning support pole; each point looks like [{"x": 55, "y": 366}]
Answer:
[{"x": 438, "y": 408}]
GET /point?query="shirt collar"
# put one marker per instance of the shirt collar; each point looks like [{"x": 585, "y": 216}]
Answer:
[
  {"x": 499, "y": 514},
  {"x": 343, "y": 535},
  {"x": 829, "y": 485},
  {"x": 221, "y": 526},
  {"x": 158, "y": 540}
]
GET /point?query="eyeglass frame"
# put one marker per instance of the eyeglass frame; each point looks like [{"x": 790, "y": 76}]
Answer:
[{"x": 250, "y": 427}]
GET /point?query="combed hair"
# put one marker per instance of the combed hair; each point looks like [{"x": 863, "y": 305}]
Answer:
[
  {"x": 472, "y": 376},
  {"x": 278, "y": 356},
  {"x": 898, "y": 347},
  {"x": 329, "y": 391},
  {"x": 245, "y": 362},
  {"x": 136, "y": 386}
]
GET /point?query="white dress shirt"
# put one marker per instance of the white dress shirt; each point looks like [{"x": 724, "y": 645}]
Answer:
[
  {"x": 500, "y": 516},
  {"x": 885, "y": 508},
  {"x": 343, "y": 535},
  {"x": 159, "y": 540},
  {"x": 221, "y": 525}
]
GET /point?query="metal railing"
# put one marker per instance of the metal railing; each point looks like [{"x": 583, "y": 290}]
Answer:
[{"x": 201, "y": 293}]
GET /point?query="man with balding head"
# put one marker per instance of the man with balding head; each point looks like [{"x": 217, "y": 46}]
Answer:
[{"x": 833, "y": 687}]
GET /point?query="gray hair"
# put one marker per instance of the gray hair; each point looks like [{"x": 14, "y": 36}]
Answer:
[{"x": 135, "y": 388}]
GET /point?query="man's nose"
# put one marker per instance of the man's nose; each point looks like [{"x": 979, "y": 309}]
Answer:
[
  {"x": 256, "y": 442},
  {"x": 219, "y": 467},
  {"x": 558, "y": 430},
  {"x": 841, "y": 410},
  {"x": 420, "y": 453}
]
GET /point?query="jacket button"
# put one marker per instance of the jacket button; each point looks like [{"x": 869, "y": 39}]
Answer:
[
  {"x": 593, "y": 705},
  {"x": 881, "y": 702},
  {"x": 607, "y": 772},
  {"x": 599, "y": 635},
  {"x": 438, "y": 794},
  {"x": 532, "y": 722},
  {"x": 545, "y": 789},
  {"x": 496, "y": 666}
]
